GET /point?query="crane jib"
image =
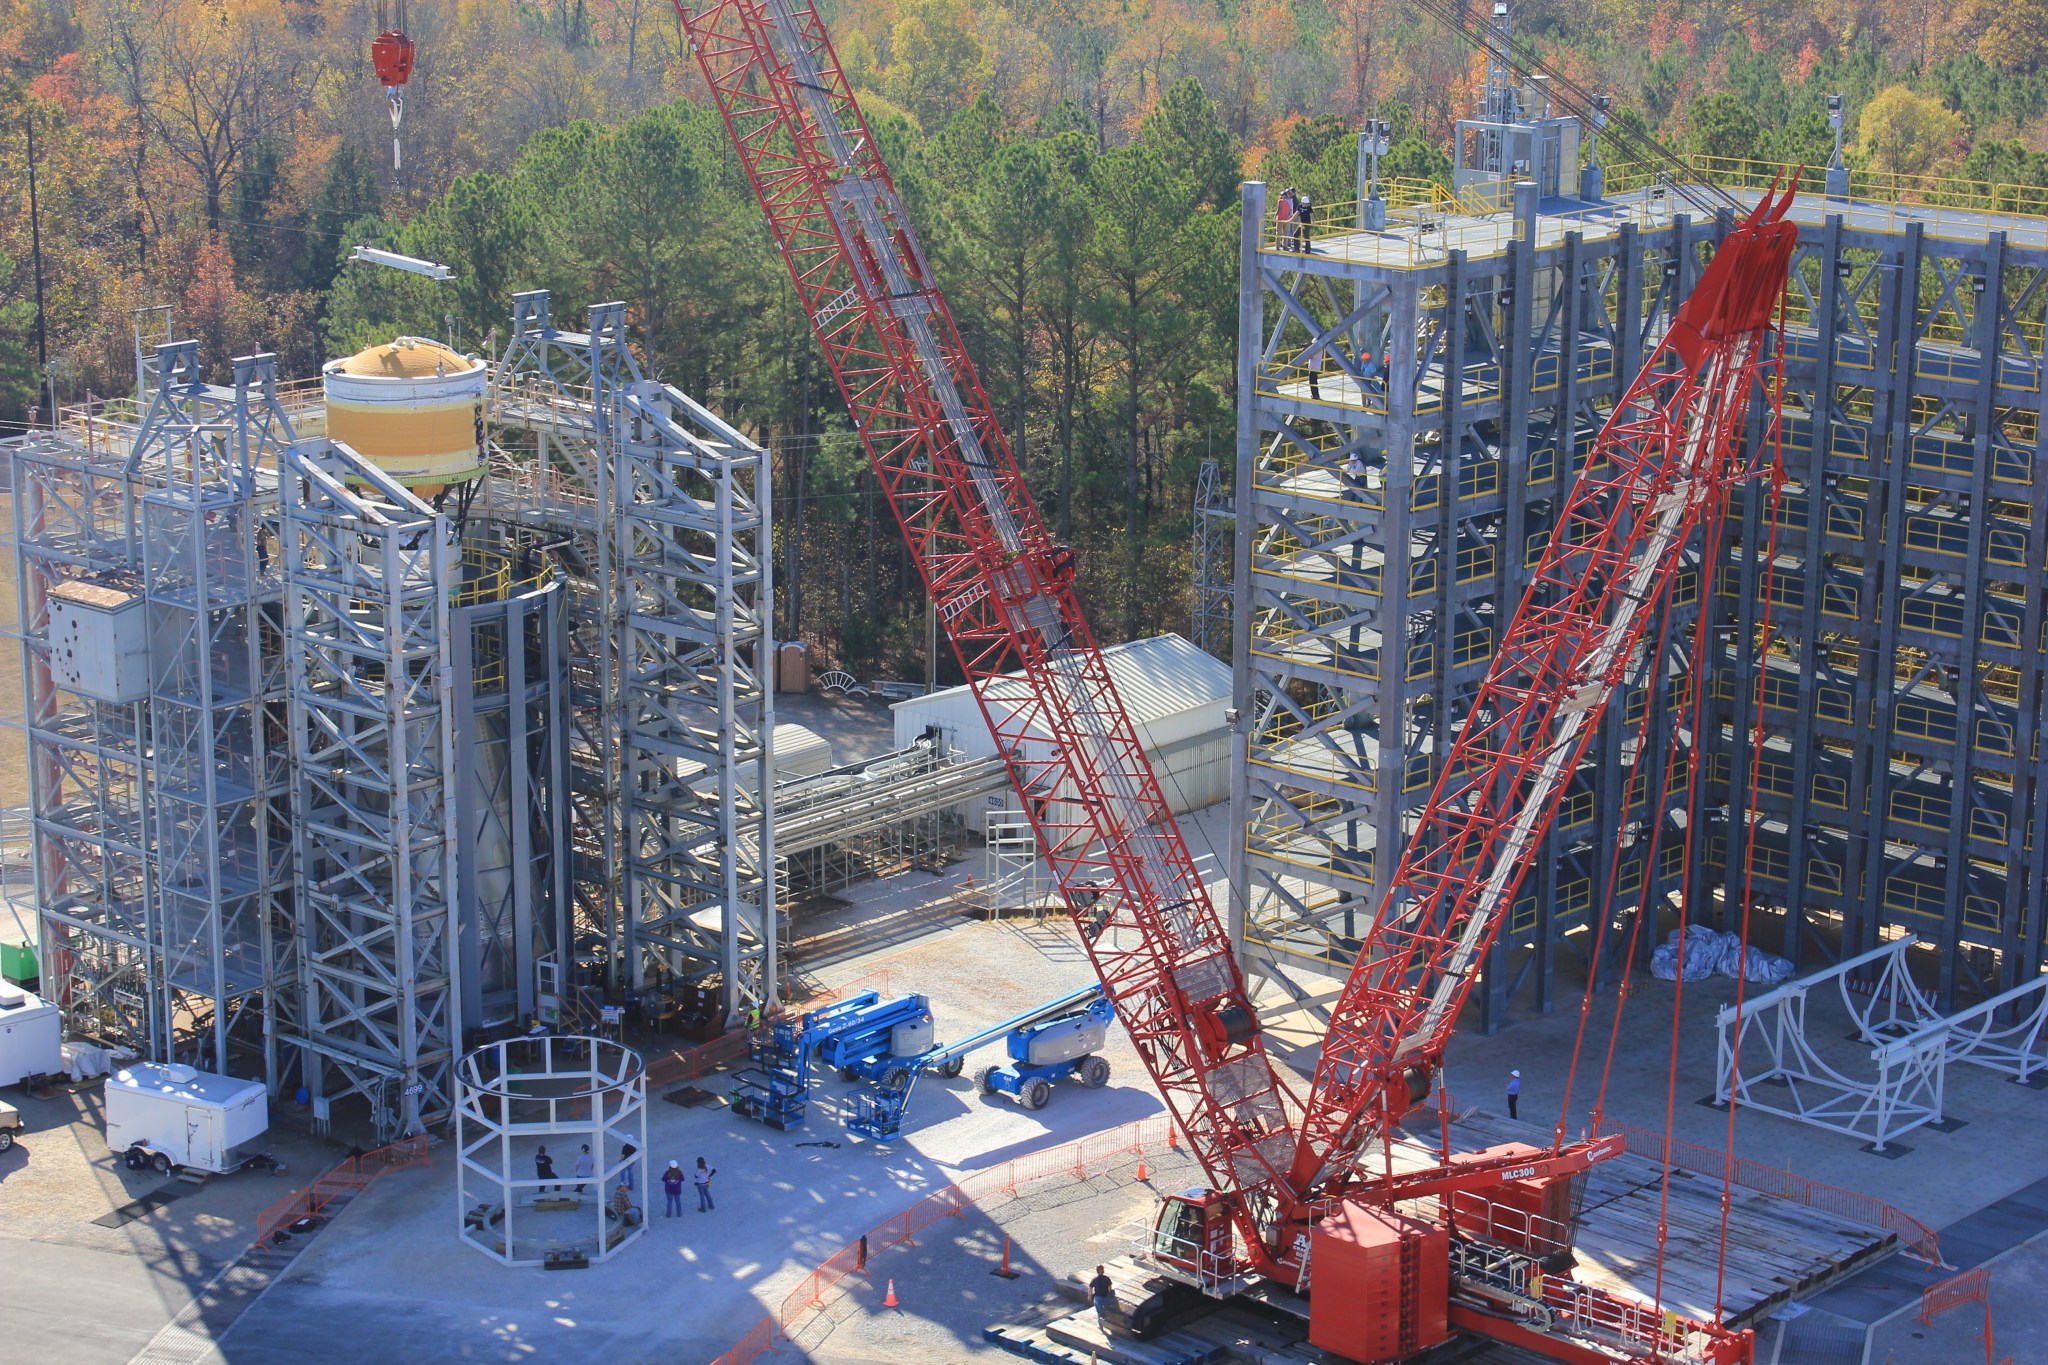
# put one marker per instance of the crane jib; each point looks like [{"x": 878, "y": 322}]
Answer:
[{"x": 1661, "y": 469}]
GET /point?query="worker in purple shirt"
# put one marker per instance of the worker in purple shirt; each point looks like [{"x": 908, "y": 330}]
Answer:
[
  {"x": 672, "y": 1186},
  {"x": 1514, "y": 1093}
]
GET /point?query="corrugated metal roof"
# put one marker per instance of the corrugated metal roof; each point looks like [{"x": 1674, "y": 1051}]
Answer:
[{"x": 1158, "y": 677}]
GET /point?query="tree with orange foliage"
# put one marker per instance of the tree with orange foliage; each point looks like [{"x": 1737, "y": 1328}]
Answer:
[{"x": 208, "y": 80}]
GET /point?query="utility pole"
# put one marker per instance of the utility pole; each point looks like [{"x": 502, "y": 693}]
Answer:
[{"x": 35, "y": 239}]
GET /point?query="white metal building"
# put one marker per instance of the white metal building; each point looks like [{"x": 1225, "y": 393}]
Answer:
[{"x": 1176, "y": 695}]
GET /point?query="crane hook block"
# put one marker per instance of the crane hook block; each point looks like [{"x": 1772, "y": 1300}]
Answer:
[{"x": 391, "y": 55}]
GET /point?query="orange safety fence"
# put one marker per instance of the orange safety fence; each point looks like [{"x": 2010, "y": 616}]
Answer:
[
  {"x": 688, "y": 1064},
  {"x": 1918, "y": 1239},
  {"x": 1076, "y": 1160},
  {"x": 1972, "y": 1286},
  {"x": 352, "y": 1174}
]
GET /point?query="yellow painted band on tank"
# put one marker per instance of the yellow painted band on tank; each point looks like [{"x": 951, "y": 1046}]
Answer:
[{"x": 413, "y": 442}]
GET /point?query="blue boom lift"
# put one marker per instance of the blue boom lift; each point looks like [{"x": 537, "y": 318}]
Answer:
[
  {"x": 1059, "y": 1039},
  {"x": 863, "y": 1036}
]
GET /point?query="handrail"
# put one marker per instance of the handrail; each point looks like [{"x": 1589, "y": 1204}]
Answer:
[{"x": 1874, "y": 186}]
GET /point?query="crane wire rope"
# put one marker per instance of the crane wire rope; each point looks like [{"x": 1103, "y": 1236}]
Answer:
[
  {"x": 1651, "y": 680},
  {"x": 1776, "y": 485},
  {"x": 1710, "y": 553}
]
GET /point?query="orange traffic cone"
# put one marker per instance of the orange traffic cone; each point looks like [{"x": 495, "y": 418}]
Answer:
[
  {"x": 889, "y": 1299},
  {"x": 1141, "y": 1170}
]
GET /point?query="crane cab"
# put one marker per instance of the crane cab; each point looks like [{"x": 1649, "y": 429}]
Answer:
[{"x": 1192, "y": 1241}]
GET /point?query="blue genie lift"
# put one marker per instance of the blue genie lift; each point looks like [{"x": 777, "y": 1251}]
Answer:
[
  {"x": 863, "y": 1037},
  {"x": 1058, "y": 1040}
]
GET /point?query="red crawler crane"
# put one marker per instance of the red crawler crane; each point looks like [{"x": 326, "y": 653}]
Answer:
[{"x": 1294, "y": 1179}]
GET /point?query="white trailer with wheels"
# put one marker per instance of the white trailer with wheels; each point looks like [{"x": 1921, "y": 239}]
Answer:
[
  {"x": 170, "y": 1116},
  {"x": 31, "y": 1036}
]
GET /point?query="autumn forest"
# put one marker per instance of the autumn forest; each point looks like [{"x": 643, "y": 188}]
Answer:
[{"x": 1074, "y": 168}]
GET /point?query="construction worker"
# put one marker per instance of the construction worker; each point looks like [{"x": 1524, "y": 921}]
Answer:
[
  {"x": 1102, "y": 1293},
  {"x": 1304, "y": 223},
  {"x": 1285, "y": 213},
  {"x": 1514, "y": 1093}
]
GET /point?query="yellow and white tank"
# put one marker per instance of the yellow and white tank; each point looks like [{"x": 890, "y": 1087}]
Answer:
[{"x": 412, "y": 407}]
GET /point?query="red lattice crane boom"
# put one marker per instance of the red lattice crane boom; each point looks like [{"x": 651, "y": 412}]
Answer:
[
  {"x": 1001, "y": 586},
  {"x": 1665, "y": 465}
]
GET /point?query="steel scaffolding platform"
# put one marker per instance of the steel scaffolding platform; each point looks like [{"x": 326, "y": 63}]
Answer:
[
  {"x": 655, "y": 509},
  {"x": 155, "y": 797},
  {"x": 369, "y": 570},
  {"x": 340, "y": 776},
  {"x": 1414, "y": 402}
]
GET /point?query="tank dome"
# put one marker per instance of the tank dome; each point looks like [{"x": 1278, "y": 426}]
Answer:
[{"x": 412, "y": 407}]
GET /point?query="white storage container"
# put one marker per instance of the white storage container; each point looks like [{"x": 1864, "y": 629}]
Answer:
[
  {"x": 99, "y": 641},
  {"x": 31, "y": 1035},
  {"x": 184, "y": 1116}
]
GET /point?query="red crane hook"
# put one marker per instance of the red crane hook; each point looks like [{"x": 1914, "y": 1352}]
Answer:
[{"x": 392, "y": 55}]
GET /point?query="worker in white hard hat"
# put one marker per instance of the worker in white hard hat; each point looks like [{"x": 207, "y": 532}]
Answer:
[
  {"x": 1514, "y": 1093},
  {"x": 672, "y": 1186}
]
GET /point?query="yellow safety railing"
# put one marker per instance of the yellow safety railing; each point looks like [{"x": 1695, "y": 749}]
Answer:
[{"x": 1927, "y": 195}]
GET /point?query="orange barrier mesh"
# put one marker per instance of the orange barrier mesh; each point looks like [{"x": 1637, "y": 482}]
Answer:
[
  {"x": 1972, "y": 1286},
  {"x": 352, "y": 1174},
  {"x": 1075, "y": 1160}
]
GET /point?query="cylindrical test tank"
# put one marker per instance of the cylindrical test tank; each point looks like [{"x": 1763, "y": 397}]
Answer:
[
  {"x": 1063, "y": 1040},
  {"x": 412, "y": 407}
]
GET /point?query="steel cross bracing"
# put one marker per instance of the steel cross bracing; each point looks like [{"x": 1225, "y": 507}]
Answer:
[
  {"x": 552, "y": 472},
  {"x": 1662, "y": 469},
  {"x": 1215, "y": 517},
  {"x": 159, "y": 877},
  {"x": 215, "y": 695},
  {"x": 1001, "y": 586},
  {"x": 369, "y": 570},
  {"x": 694, "y": 563},
  {"x": 655, "y": 508}
]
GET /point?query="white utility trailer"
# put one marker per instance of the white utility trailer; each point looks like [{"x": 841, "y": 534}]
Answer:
[{"x": 169, "y": 1116}]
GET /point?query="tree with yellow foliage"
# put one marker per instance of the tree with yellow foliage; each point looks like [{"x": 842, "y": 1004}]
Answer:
[
  {"x": 1908, "y": 133},
  {"x": 2012, "y": 35}
]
